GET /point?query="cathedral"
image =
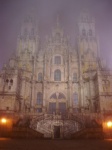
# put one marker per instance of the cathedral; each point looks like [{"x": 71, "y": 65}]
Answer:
[{"x": 54, "y": 78}]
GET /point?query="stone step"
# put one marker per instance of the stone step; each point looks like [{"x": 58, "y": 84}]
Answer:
[
  {"x": 87, "y": 133},
  {"x": 22, "y": 132}
]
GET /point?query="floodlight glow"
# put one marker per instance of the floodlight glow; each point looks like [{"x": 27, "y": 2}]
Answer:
[
  {"x": 109, "y": 124},
  {"x": 4, "y": 120}
]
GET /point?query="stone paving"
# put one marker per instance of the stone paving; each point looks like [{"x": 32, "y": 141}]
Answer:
[{"x": 35, "y": 144}]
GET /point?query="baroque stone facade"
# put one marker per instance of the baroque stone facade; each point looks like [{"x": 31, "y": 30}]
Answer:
[{"x": 53, "y": 77}]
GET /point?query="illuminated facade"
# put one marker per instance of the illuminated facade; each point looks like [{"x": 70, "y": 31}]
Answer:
[{"x": 53, "y": 77}]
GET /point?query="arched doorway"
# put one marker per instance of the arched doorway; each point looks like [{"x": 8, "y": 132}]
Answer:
[
  {"x": 56, "y": 131},
  {"x": 57, "y": 103}
]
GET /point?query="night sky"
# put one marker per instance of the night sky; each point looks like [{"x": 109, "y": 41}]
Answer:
[{"x": 12, "y": 13}]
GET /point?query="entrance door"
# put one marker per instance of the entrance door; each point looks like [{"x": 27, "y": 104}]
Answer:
[
  {"x": 56, "y": 131},
  {"x": 62, "y": 107},
  {"x": 52, "y": 108}
]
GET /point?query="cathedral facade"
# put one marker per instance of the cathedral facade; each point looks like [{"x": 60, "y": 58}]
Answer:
[{"x": 53, "y": 77}]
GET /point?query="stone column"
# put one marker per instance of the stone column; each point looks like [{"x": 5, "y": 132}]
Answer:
[
  {"x": 69, "y": 96},
  {"x": 44, "y": 88}
]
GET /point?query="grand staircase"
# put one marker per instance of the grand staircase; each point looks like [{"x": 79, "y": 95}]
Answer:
[
  {"x": 57, "y": 126},
  {"x": 61, "y": 126}
]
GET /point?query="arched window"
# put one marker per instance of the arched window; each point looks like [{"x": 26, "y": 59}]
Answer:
[
  {"x": 7, "y": 81},
  {"x": 75, "y": 99},
  {"x": 58, "y": 96},
  {"x": 57, "y": 75},
  {"x": 61, "y": 96},
  {"x": 39, "y": 98},
  {"x": 83, "y": 32},
  {"x": 40, "y": 77},
  {"x": 57, "y": 60},
  {"x": 74, "y": 77},
  {"x": 11, "y": 82}
]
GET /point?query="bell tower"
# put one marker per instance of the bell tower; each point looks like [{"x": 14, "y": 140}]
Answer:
[
  {"x": 87, "y": 42},
  {"x": 27, "y": 49},
  {"x": 88, "y": 50},
  {"x": 28, "y": 40}
]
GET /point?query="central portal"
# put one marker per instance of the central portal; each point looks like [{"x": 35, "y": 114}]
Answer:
[
  {"x": 57, "y": 107},
  {"x": 56, "y": 131},
  {"x": 57, "y": 103},
  {"x": 52, "y": 108}
]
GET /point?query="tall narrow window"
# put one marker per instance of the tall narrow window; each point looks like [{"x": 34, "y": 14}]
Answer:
[
  {"x": 57, "y": 75},
  {"x": 7, "y": 81},
  {"x": 74, "y": 77},
  {"x": 40, "y": 77},
  {"x": 75, "y": 99},
  {"x": 39, "y": 98},
  {"x": 11, "y": 82},
  {"x": 57, "y": 60}
]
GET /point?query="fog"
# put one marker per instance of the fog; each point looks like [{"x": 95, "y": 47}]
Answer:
[{"x": 12, "y": 13}]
